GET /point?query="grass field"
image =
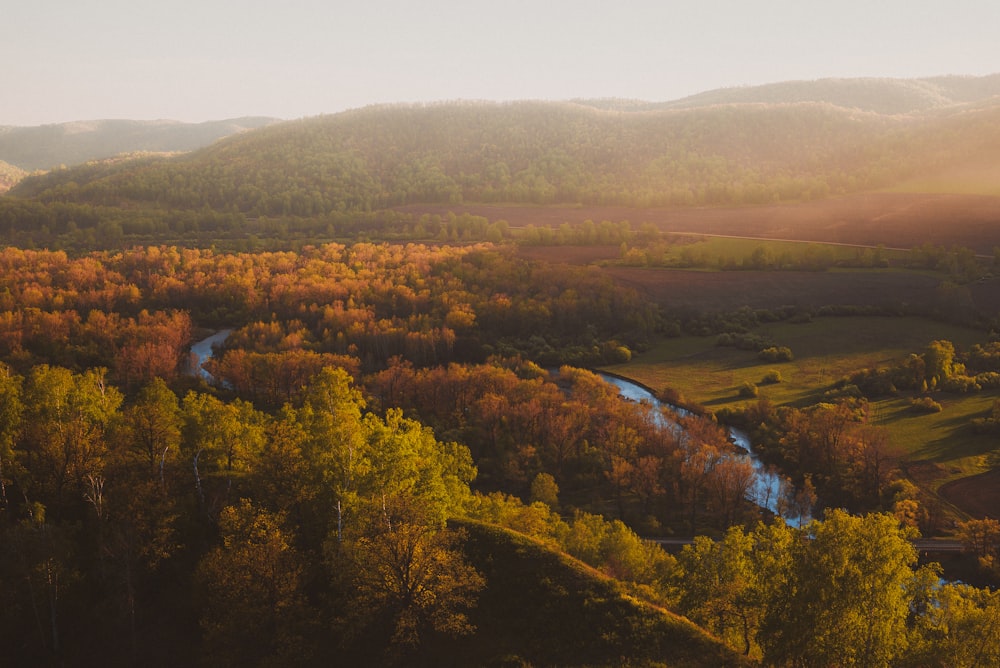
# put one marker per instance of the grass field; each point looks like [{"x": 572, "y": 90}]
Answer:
[{"x": 937, "y": 447}]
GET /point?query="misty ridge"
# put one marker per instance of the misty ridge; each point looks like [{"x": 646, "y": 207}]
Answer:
[{"x": 783, "y": 141}]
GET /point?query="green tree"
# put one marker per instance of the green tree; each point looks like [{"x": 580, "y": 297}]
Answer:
[
  {"x": 721, "y": 590},
  {"x": 545, "y": 490},
  {"x": 851, "y": 585},
  {"x": 939, "y": 361},
  {"x": 65, "y": 420},
  {"x": 222, "y": 440},
  {"x": 960, "y": 628},
  {"x": 154, "y": 424},
  {"x": 335, "y": 447}
]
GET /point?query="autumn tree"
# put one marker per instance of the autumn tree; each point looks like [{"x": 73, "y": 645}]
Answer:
[
  {"x": 250, "y": 590},
  {"x": 411, "y": 577}
]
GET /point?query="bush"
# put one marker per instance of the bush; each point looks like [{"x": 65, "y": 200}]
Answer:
[
  {"x": 772, "y": 377},
  {"x": 925, "y": 405},
  {"x": 776, "y": 354},
  {"x": 748, "y": 390}
]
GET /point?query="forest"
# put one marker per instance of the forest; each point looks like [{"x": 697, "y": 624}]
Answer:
[
  {"x": 369, "y": 397},
  {"x": 401, "y": 452}
]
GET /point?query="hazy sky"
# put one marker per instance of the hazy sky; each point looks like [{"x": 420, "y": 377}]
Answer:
[{"x": 196, "y": 60}]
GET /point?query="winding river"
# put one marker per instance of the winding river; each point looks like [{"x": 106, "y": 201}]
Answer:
[{"x": 768, "y": 485}]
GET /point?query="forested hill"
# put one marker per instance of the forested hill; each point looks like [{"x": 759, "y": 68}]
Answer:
[
  {"x": 48, "y": 146},
  {"x": 541, "y": 152}
]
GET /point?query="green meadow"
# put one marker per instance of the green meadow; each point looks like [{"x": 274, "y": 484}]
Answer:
[{"x": 826, "y": 350}]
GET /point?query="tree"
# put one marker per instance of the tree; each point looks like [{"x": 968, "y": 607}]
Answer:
[
  {"x": 982, "y": 538},
  {"x": 253, "y": 608},
  {"x": 545, "y": 490},
  {"x": 335, "y": 446},
  {"x": 851, "y": 585},
  {"x": 939, "y": 361},
  {"x": 721, "y": 590},
  {"x": 65, "y": 419},
  {"x": 154, "y": 423},
  {"x": 411, "y": 577},
  {"x": 960, "y": 628},
  {"x": 222, "y": 440}
]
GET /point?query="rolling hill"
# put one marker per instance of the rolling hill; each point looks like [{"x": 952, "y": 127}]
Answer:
[
  {"x": 767, "y": 146},
  {"x": 544, "y": 608},
  {"x": 48, "y": 146}
]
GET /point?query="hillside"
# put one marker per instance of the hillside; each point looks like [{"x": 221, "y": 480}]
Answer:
[
  {"x": 541, "y": 153},
  {"x": 545, "y": 609},
  {"x": 48, "y": 146}
]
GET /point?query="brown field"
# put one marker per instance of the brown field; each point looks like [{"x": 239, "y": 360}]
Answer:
[
  {"x": 895, "y": 220},
  {"x": 978, "y": 495},
  {"x": 722, "y": 291}
]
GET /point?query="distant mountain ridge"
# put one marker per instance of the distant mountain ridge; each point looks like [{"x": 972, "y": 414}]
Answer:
[
  {"x": 808, "y": 144},
  {"x": 49, "y": 146},
  {"x": 878, "y": 95}
]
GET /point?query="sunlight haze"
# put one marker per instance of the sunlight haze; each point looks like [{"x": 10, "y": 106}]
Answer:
[{"x": 197, "y": 61}]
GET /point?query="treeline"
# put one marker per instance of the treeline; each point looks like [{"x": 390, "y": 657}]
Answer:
[
  {"x": 429, "y": 304},
  {"x": 651, "y": 249},
  {"x": 380, "y": 157}
]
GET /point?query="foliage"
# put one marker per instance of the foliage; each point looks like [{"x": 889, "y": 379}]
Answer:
[
  {"x": 412, "y": 573},
  {"x": 925, "y": 405},
  {"x": 845, "y": 590},
  {"x": 776, "y": 354}
]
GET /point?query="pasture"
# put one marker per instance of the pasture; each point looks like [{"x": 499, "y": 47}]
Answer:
[{"x": 935, "y": 448}]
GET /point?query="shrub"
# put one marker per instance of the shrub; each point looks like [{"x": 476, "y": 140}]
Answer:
[
  {"x": 771, "y": 377},
  {"x": 925, "y": 405},
  {"x": 776, "y": 354},
  {"x": 748, "y": 390}
]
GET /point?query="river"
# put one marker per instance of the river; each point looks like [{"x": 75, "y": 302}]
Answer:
[
  {"x": 768, "y": 485},
  {"x": 202, "y": 350}
]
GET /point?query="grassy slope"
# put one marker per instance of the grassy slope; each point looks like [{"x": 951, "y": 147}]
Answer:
[{"x": 544, "y": 608}]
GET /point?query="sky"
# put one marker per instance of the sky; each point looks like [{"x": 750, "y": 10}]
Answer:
[{"x": 199, "y": 60}]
